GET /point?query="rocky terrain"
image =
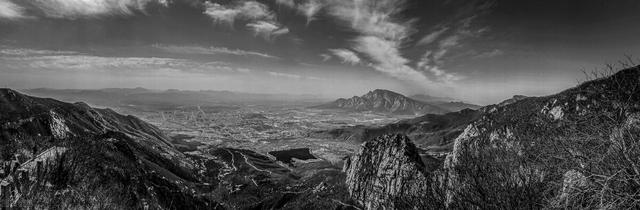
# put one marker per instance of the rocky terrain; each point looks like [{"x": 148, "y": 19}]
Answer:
[
  {"x": 384, "y": 101},
  {"x": 388, "y": 173},
  {"x": 575, "y": 149},
  {"x": 61, "y": 155},
  {"x": 587, "y": 134}
]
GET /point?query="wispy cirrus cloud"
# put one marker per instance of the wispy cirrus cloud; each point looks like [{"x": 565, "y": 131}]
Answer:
[
  {"x": 8, "y": 51},
  {"x": 308, "y": 8},
  {"x": 382, "y": 34},
  {"x": 258, "y": 17},
  {"x": 489, "y": 54},
  {"x": 210, "y": 51},
  {"x": 347, "y": 56},
  {"x": 74, "y": 9},
  {"x": 292, "y": 76},
  {"x": 449, "y": 36},
  {"x": 267, "y": 29},
  {"x": 247, "y": 10},
  {"x": 433, "y": 36},
  {"x": 10, "y": 10}
]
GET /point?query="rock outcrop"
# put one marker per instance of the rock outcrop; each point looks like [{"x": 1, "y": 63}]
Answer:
[{"x": 388, "y": 173}]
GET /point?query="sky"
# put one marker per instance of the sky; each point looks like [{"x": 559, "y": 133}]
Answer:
[{"x": 481, "y": 51}]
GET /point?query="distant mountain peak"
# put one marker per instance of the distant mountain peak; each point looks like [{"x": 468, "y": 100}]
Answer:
[{"x": 383, "y": 101}]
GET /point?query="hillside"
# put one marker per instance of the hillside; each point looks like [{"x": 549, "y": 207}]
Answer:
[
  {"x": 89, "y": 154},
  {"x": 384, "y": 101},
  {"x": 583, "y": 138},
  {"x": 71, "y": 156},
  {"x": 577, "y": 149}
]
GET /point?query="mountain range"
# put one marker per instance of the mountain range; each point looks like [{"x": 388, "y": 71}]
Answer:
[{"x": 171, "y": 99}]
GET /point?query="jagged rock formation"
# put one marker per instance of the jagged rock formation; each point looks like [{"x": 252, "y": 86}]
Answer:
[
  {"x": 573, "y": 149},
  {"x": 388, "y": 173},
  {"x": 384, "y": 101}
]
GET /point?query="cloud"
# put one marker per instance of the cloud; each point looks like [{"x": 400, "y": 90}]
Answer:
[
  {"x": 308, "y": 8},
  {"x": 347, "y": 56},
  {"x": 430, "y": 38},
  {"x": 267, "y": 30},
  {"x": 288, "y": 3},
  {"x": 247, "y": 10},
  {"x": 285, "y": 75},
  {"x": 450, "y": 37},
  {"x": 261, "y": 21},
  {"x": 66, "y": 61},
  {"x": 374, "y": 18},
  {"x": 6, "y": 51},
  {"x": 72, "y": 9},
  {"x": 388, "y": 59},
  {"x": 382, "y": 33},
  {"x": 210, "y": 51},
  {"x": 325, "y": 57},
  {"x": 10, "y": 10}
]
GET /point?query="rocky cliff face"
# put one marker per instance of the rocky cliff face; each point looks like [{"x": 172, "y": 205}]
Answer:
[
  {"x": 384, "y": 101},
  {"x": 388, "y": 173}
]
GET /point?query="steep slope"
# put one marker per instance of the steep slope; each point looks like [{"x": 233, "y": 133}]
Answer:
[
  {"x": 575, "y": 149},
  {"x": 384, "y": 101},
  {"x": 56, "y": 148},
  {"x": 388, "y": 173}
]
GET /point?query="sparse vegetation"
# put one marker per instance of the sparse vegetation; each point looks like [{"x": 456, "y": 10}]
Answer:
[{"x": 587, "y": 159}]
